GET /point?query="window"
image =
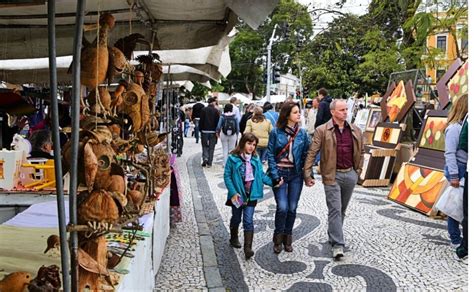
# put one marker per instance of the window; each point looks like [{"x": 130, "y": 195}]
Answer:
[
  {"x": 439, "y": 73},
  {"x": 441, "y": 43}
]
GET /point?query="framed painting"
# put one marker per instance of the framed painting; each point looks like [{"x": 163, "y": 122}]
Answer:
[
  {"x": 361, "y": 119},
  {"x": 397, "y": 101},
  {"x": 453, "y": 84},
  {"x": 431, "y": 140},
  {"x": 374, "y": 118},
  {"x": 378, "y": 166},
  {"x": 387, "y": 135},
  {"x": 418, "y": 188}
]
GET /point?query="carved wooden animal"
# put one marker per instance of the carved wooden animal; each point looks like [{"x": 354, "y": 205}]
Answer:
[
  {"x": 47, "y": 279},
  {"x": 95, "y": 58},
  {"x": 15, "y": 282}
]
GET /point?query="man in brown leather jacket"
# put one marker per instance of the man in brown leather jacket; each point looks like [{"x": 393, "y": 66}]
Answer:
[{"x": 341, "y": 148}]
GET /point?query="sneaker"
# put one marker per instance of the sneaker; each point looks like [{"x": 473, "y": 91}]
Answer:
[
  {"x": 209, "y": 165},
  {"x": 204, "y": 163},
  {"x": 337, "y": 252},
  {"x": 454, "y": 246}
]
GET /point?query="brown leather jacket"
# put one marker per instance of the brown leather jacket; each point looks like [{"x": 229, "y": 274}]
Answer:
[{"x": 324, "y": 141}]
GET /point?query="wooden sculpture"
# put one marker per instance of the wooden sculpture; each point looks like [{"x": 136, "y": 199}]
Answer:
[
  {"x": 95, "y": 57},
  {"x": 15, "y": 282}
]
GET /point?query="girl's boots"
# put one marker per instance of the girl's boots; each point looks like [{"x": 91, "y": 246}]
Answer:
[
  {"x": 287, "y": 241},
  {"x": 234, "y": 237},
  {"x": 248, "y": 240}
]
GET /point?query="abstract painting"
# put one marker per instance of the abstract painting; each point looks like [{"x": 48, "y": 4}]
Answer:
[
  {"x": 397, "y": 101},
  {"x": 418, "y": 187},
  {"x": 378, "y": 166},
  {"x": 432, "y": 135},
  {"x": 457, "y": 86},
  {"x": 453, "y": 84},
  {"x": 387, "y": 135}
]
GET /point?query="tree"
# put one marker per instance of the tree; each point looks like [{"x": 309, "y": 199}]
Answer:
[{"x": 248, "y": 49}]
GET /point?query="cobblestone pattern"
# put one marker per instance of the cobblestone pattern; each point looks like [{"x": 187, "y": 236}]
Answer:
[
  {"x": 181, "y": 266},
  {"x": 389, "y": 246}
]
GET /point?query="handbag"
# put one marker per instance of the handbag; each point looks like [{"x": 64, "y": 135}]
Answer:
[{"x": 451, "y": 203}]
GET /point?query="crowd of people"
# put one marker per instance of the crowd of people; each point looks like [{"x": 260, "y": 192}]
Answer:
[{"x": 275, "y": 150}]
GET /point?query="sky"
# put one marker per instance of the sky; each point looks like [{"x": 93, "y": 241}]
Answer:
[{"x": 357, "y": 7}]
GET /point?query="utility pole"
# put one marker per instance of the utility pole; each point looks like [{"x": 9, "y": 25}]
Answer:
[{"x": 269, "y": 61}]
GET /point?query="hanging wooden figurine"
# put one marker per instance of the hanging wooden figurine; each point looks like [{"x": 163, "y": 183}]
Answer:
[{"x": 95, "y": 57}]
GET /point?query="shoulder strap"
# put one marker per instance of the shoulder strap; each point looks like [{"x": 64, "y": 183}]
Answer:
[{"x": 292, "y": 138}]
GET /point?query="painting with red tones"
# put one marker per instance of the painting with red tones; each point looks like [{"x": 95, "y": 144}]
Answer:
[
  {"x": 432, "y": 135},
  {"x": 457, "y": 86}
]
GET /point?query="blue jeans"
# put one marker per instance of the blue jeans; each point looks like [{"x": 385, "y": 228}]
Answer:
[
  {"x": 287, "y": 197},
  {"x": 453, "y": 225},
  {"x": 262, "y": 153},
  {"x": 236, "y": 218}
]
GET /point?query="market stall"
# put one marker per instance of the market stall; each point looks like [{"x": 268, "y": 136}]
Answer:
[{"x": 117, "y": 153}]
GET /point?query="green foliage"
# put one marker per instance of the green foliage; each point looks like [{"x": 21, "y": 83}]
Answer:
[{"x": 249, "y": 47}]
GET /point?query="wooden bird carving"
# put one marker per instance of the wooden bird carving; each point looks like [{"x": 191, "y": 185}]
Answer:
[
  {"x": 95, "y": 58},
  {"x": 15, "y": 282},
  {"x": 52, "y": 243},
  {"x": 47, "y": 279}
]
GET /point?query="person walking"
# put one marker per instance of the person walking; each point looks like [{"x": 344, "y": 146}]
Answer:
[
  {"x": 235, "y": 107},
  {"x": 324, "y": 112},
  {"x": 455, "y": 158},
  {"x": 244, "y": 179},
  {"x": 269, "y": 113},
  {"x": 227, "y": 130},
  {"x": 287, "y": 148},
  {"x": 341, "y": 147},
  {"x": 312, "y": 117},
  {"x": 248, "y": 115},
  {"x": 196, "y": 117},
  {"x": 207, "y": 126},
  {"x": 261, "y": 127}
]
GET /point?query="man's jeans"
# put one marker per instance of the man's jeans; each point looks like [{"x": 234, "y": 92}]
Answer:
[
  {"x": 262, "y": 153},
  {"x": 228, "y": 143},
  {"x": 337, "y": 200},
  {"x": 208, "y": 142},
  {"x": 453, "y": 225},
  {"x": 236, "y": 218},
  {"x": 196, "y": 129},
  {"x": 287, "y": 197}
]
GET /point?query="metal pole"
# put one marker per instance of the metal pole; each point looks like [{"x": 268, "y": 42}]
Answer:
[
  {"x": 58, "y": 172},
  {"x": 75, "y": 111},
  {"x": 269, "y": 62}
]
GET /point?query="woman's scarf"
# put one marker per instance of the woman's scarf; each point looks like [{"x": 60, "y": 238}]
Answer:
[
  {"x": 248, "y": 174},
  {"x": 291, "y": 132}
]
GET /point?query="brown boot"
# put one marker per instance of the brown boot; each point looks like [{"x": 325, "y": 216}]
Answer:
[
  {"x": 277, "y": 240},
  {"x": 287, "y": 240},
  {"x": 248, "y": 240},
  {"x": 234, "y": 237}
]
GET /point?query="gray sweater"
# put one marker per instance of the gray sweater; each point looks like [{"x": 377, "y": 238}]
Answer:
[{"x": 452, "y": 154}]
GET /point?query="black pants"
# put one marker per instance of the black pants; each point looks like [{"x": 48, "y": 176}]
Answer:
[{"x": 464, "y": 220}]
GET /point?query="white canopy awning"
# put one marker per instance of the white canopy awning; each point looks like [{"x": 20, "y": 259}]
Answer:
[{"x": 177, "y": 24}]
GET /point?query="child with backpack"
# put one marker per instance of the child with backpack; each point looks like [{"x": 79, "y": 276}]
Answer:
[
  {"x": 244, "y": 178},
  {"x": 227, "y": 130}
]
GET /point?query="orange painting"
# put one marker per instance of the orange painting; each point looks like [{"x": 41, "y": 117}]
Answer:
[
  {"x": 418, "y": 187},
  {"x": 396, "y": 101},
  {"x": 457, "y": 86}
]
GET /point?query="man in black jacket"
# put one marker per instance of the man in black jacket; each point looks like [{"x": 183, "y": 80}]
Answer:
[
  {"x": 324, "y": 113},
  {"x": 207, "y": 125},
  {"x": 196, "y": 117}
]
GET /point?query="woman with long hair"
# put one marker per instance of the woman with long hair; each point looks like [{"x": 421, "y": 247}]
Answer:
[
  {"x": 455, "y": 159},
  {"x": 261, "y": 127},
  {"x": 287, "y": 149}
]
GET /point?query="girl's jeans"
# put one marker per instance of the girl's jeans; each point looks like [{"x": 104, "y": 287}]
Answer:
[
  {"x": 287, "y": 197},
  {"x": 247, "y": 212},
  {"x": 453, "y": 225},
  {"x": 262, "y": 153}
]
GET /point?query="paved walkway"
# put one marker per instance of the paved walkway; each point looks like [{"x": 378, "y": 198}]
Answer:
[{"x": 390, "y": 247}]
